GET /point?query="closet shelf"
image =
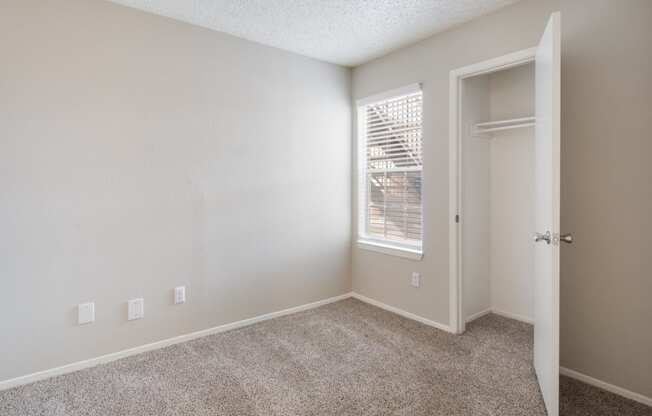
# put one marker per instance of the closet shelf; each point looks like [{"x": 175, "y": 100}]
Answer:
[{"x": 499, "y": 125}]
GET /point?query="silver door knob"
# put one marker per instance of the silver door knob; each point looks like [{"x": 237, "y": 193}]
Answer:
[
  {"x": 566, "y": 238},
  {"x": 547, "y": 237}
]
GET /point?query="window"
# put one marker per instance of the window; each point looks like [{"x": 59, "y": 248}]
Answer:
[{"x": 390, "y": 167}]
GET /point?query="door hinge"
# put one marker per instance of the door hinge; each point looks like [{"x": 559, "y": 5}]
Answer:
[{"x": 457, "y": 218}]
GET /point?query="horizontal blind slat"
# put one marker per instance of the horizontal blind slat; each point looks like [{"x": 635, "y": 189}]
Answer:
[{"x": 393, "y": 160}]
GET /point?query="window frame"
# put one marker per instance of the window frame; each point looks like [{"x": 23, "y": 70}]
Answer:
[{"x": 363, "y": 240}]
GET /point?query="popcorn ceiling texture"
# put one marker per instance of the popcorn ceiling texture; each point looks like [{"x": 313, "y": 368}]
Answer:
[{"x": 344, "y": 32}]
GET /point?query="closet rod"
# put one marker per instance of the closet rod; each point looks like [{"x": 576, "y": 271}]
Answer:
[
  {"x": 514, "y": 126},
  {"x": 509, "y": 121}
]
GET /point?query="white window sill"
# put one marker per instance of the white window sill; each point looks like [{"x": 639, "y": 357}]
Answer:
[{"x": 398, "y": 251}]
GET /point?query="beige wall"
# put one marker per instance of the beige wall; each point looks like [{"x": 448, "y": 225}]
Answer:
[
  {"x": 138, "y": 154},
  {"x": 606, "y": 175},
  {"x": 606, "y": 310}
]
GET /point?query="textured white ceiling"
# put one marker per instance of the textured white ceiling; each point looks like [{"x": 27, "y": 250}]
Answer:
[{"x": 345, "y": 32}]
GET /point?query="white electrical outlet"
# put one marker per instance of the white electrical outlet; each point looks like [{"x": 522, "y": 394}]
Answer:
[
  {"x": 416, "y": 279},
  {"x": 179, "y": 295},
  {"x": 86, "y": 313},
  {"x": 135, "y": 309}
]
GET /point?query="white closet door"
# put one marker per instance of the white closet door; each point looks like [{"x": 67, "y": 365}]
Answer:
[{"x": 546, "y": 257}]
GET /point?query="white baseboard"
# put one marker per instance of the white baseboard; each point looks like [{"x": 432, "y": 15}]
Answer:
[
  {"x": 79, "y": 365},
  {"x": 514, "y": 316},
  {"x": 606, "y": 386},
  {"x": 401, "y": 312},
  {"x": 477, "y": 315},
  {"x": 504, "y": 314}
]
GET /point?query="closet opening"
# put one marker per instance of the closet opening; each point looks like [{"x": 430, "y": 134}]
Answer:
[
  {"x": 493, "y": 194},
  {"x": 505, "y": 152}
]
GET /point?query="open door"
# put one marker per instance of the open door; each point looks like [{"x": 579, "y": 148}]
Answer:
[{"x": 547, "y": 172}]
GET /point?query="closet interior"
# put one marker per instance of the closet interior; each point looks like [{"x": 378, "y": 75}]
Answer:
[{"x": 497, "y": 195}]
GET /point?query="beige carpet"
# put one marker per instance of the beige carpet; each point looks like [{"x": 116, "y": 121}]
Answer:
[
  {"x": 580, "y": 399},
  {"x": 346, "y": 358}
]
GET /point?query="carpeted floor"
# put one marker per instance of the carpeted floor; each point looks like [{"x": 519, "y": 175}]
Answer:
[
  {"x": 579, "y": 399},
  {"x": 346, "y": 358}
]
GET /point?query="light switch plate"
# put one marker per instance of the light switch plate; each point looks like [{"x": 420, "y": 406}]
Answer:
[
  {"x": 136, "y": 309},
  {"x": 86, "y": 313},
  {"x": 179, "y": 294}
]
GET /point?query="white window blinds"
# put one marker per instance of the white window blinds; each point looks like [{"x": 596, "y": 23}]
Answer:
[{"x": 391, "y": 165}]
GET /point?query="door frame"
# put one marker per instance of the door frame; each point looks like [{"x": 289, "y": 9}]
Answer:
[{"x": 456, "y": 302}]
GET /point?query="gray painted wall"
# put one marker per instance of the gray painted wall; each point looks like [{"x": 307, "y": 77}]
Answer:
[
  {"x": 606, "y": 175},
  {"x": 137, "y": 154}
]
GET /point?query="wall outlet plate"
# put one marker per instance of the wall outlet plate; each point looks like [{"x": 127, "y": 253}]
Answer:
[
  {"x": 86, "y": 313},
  {"x": 416, "y": 279},
  {"x": 135, "y": 309},
  {"x": 179, "y": 295}
]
